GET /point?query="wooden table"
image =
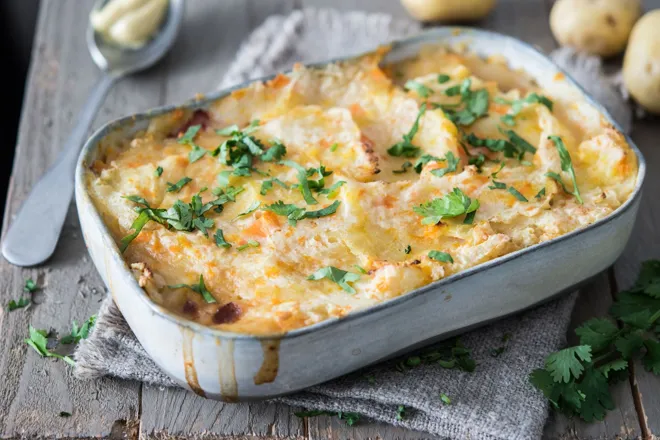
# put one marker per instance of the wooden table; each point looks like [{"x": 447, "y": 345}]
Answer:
[{"x": 35, "y": 390}]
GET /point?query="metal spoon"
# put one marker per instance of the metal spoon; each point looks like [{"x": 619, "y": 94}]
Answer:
[{"x": 33, "y": 235}]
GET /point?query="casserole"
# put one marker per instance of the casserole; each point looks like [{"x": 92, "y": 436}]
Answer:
[{"x": 227, "y": 365}]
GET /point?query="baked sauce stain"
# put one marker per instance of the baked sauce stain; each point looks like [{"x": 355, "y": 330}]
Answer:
[
  {"x": 227, "y": 370},
  {"x": 189, "y": 362},
  {"x": 271, "y": 363}
]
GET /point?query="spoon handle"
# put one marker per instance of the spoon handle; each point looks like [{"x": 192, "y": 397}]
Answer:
[{"x": 33, "y": 235}]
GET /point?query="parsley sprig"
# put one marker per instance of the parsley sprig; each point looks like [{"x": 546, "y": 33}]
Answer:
[
  {"x": 241, "y": 149},
  {"x": 451, "y": 205},
  {"x": 576, "y": 380},
  {"x": 79, "y": 332}
]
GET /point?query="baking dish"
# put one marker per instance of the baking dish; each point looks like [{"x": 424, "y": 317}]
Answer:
[{"x": 232, "y": 366}]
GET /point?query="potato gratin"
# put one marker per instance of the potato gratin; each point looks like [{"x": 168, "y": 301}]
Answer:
[{"x": 328, "y": 190}]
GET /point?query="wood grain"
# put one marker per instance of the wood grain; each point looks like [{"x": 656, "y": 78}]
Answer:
[{"x": 35, "y": 390}]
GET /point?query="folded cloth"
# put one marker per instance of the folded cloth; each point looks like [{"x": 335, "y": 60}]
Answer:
[{"x": 496, "y": 401}]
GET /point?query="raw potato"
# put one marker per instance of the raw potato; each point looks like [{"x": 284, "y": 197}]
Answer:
[
  {"x": 599, "y": 27},
  {"x": 641, "y": 65},
  {"x": 448, "y": 10}
]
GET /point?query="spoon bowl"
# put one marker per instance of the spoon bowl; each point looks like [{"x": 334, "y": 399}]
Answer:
[
  {"x": 115, "y": 59},
  {"x": 29, "y": 240}
]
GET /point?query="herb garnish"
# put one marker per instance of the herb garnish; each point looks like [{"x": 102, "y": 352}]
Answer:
[
  {"x": 38, "y": 340},
  {"x": 241, "y": 149},
  {"x": 406, "y": 148},
  {"x": 418, "y": 88},
  {"x": 267, "y": 185},
  {"x": 294, "y": 213},
  {"x": 442, "y": 78},
  {"x": 448, "y": 354},
  {"x": 404, "y": 167},
  {"x": 30, "y": 286},
  {"x": 518, "y": 104},
  {"x": 452, "y": 163},
  {"x": 576, "y": 380},
  {"x": 159, "y": 171},
  {"x": 423, "y": 160},
  {"x": 517, "y": 194},
  {"x": 451, "y": 205},
  {"x": 253, "y": 207},
  {"x": 566, "y": 166},
  {"x": 540, "y": 194},
  {"x": 476, "y": 103},
  {"x": 176, "y": 187},
  {"x": 407, "y": 250},
  {"x": 350, "y": 418},
  {"x": 401, "y": 412},
  {"x": 188, "y": 138},
  {"x": 13, "y": 305},
  {"x": 303, "y": 182},
  {"x": 250, "y": 243},
  {"x": 338, "y": 276},
  {"x": 445, "y": 399},
  {"x": 331, "y": 191},
  {"x": 441, "y": 256},
  {"x": 360, "y": 269},
  {"x": 78, "y": 333},
  {"x": 200, "y": 288},
  {"x": 220, "y": 239}
]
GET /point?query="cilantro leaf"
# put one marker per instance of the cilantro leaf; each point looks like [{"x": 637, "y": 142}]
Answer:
[
  {"x": 13, "y": 305},
  {"x": 442, "y": 78},
  {"x": 615, "y": 365},
  {"x": 567, "y": 363},
  {"x": 200, "y": 288},
  {"x": 176, "y": 187},
  {"x": 648, "y": 281},
  {"x": 520, "y": 143},
  {"x": 30, "y": 286},
  {"x": 423, "y": 160},
  {"x": 406, "y": 148},
  {"x": 159, "y": 171},
  {"x": 441, "y": 256},
  {"x": 401, "y": 411},
  {"x": 497, "y": 185},
  {"x": 540, "y": 194},
  {"x": 630, "y": 343},
  {"x": 338, "y": 276},
  {"x": 250, "y": 243},
  {"x": 566, "y": 166},
  {"x": 331, "y": 191},
  {"x": 517, "y": 194},
  {"x": 38, "y": 340},
  {"x": 597, "y": 332},
  {"x": 276, "y": 152},
  {"x": 452, "y": 164},
  {"x": 189, "y": 136},
  {"x": 267, "y": 185},
  {"x": 78, "y": 333},
  {"x": 350, "y": 418},
  {"x": 496, "y": 145},
  {"x": 220, "y": 239},
  {"x": 404, "y": 168},
  {"x": 253, "y": 207},
  {"x": 418, "y": 88},
  {"x": 137, "y": 225},
  {"x": 445, "y": 399},
  {"x": 651, "y": 359},
  {"x": 451, "y": 205},
  {"x": 196, "y": 153},
  {"x": 597, "y": 399},
  {"x": 303, "y": 182}
]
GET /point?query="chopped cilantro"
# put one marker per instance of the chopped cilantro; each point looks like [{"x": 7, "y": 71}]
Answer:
[
  {"x": 220, "y": 239},
  {"x": 418, "y": 88},
  {"x": 303, "y": 182},
  {"x": 441, "y": 256},
  {"x": 423, "y": 160},
  {"x": 350, "y": 418},
  {"x": 294, "y": 213},
  {"x": 338, "y": 276},
  {"x": 200, "y": 288},
  {"x": 497, "y": 185},
  {"x": 445, "y": 399},
  {"x": 401, "y": 412},
  {"x": 22, "y": 302},
  {"x": 189, "y": 136},
  {"x": 333, "y": 147},
  {"x": 517, "y": 194},
  {"x": 360, "y": 269},
  {"x": 267, "y": 185},
  {"x": 38, "y": 340},
  {"x": 476, "y": 103},
  {"x": 404, "y": 167},
  {"x": 451, "y": 205},
  {"x": 159, "y": 171},
  {"x": 250, "y": 243},
  {"x": 407, "y": 250},
  {"x": 331, "y": 191},
  {"x": 196, "y": 153},
  {"x": 276, "y": 152},
  {"x": 452, "y": 163},
  {"x": 78, "y": 333},
  {"x": 253, "y": 207},
  {"x": 540, "y": 194},
  {"x": 406, "y": 148},
  {"x": 30, "y": 286},
  {"x": 442, "y": 78},
  {"x": 176, "y": 187},
  {"x": 566, "y": 166}
]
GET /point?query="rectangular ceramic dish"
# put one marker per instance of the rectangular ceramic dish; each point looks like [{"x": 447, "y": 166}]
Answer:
[{"x": 231, "y": 366}]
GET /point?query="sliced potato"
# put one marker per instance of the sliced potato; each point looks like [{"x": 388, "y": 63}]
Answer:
[
  {"x": 641, "y": 65},
  {"x": 598, "y": 27}
]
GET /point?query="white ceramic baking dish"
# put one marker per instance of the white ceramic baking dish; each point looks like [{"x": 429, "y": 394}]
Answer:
[{"x": 229, "y": 366}]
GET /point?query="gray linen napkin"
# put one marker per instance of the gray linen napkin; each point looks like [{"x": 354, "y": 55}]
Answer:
[{"x": 495, "y": 401}]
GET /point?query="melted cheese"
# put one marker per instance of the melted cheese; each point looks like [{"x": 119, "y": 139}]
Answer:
[{"x": 346, "y": 116}]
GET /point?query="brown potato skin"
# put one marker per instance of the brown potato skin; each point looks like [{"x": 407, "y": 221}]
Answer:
[{"x": 598, "y": 27}]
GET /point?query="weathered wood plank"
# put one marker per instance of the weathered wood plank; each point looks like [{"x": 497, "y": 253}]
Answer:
[
  {"x": 645, "y": 244},
  {"x": 197, "y": 64},
  {"x": 36, "y": 390}
]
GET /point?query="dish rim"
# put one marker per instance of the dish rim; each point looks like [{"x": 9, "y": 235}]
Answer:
[{"x": 326, "y": 324}]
